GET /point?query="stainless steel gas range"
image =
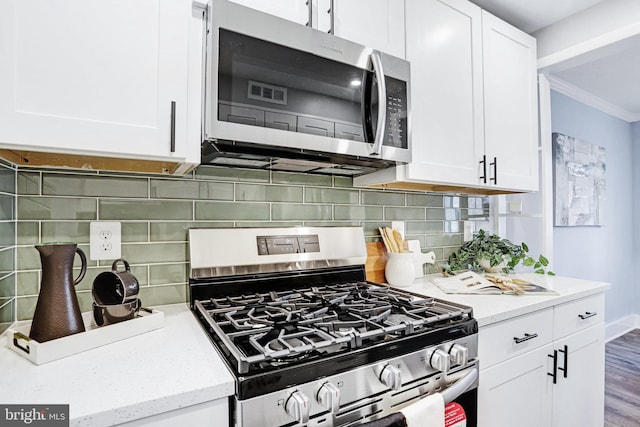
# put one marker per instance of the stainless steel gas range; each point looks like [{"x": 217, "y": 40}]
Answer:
[{"x": 311, "y": 342}]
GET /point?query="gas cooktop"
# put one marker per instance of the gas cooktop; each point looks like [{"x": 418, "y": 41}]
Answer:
[{"x": 269, "y": 330}]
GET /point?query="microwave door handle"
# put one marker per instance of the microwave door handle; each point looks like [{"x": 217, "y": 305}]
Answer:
[
  {"x": 376, "y": 61},
  {"x": 365, "y": 105}
]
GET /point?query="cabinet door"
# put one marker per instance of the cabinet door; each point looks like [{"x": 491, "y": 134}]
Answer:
[
  {"x": 446, "y": 90},
  {"x": 510, "y": 104},
  {"x": 578, "y": 399},
  {"x": 293, "y": 10},
  {"x": 378, "y": 24},
  {"x": 94, "y": 77},
  {"x": 516, "y": 392}
]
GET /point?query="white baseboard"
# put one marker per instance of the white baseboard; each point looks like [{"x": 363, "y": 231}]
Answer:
[{"x": 621, "y": 326}]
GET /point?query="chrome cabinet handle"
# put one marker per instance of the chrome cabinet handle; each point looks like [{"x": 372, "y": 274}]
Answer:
[
  {"x": 526, "y": 337},
  {"x": 332, "y": 18},
  {"x": 376, "y": 61},
  {"x": 587, "y": 314}
]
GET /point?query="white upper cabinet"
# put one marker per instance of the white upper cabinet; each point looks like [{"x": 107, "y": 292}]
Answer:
[
  {"x": 292, "y": 10},
  {"x": 446, "y": 90},
  {"x": 510, "y": 104},
  {"x": 378, "y": 24},
  {"x": 473, "y": 102},
  {"x": 107, "y": 79}
]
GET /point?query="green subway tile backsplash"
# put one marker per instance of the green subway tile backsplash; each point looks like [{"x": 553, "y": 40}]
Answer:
[
  {"x": 7, "y": 233},
  {"x": 28, "y": 282},
  {"x": 70, "y": 231},
  {"x": 383, "y": 198},
  {"x": 327, "y": 195},
  {"x": 178, "y": 231},
  {"x": 7, "y": 180},
  {"x": 192, "y": 190},
  {"x": 93, "y": 186},
  {"x": 7, "y": 257},
  {"x": 281, "y": 212},
  {"x": 119, "y": 210},
  {"x": 56, "y": 208},
  {"x": 7, "y": 286},
  {"x": 134, "y": 231},
  {"x": 28, "y": 183},
  {"x": 156, "y": 213},
  {"x": 231, "y": 211},
  {"x": 301, "y": 179},
  {"x": 6, "y": 206},
  {"x": 268, "y": 193},
  {"x": 7, "y": 313},
  {"x": 28, "y": 233},
  {"x": 8, "y": 228},
  {"x": 230, "y": 174},
  {"x": 358, "y": 212},
  {"x": 428, "y": 200},
  {"x": 168, "y": 273},
  {"x": 400, "y": 214}
]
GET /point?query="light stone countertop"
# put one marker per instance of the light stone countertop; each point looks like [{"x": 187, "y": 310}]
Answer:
[
  {"x": 488, "y": 309},
  {"x": 148, "y": 374},
  {"x": 176, "y": 366}
]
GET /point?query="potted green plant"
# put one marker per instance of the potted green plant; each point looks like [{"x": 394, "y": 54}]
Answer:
[{"x": 492, "y": 253}]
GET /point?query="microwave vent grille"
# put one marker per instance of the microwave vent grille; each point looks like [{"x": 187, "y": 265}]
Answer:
[{"x": 267, "y": 93}]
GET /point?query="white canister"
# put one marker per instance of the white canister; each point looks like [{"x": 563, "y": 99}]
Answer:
[{"x": 399, "y": 270}]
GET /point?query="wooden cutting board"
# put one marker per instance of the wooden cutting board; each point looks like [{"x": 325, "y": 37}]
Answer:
[{"x": 376, "y": 261}]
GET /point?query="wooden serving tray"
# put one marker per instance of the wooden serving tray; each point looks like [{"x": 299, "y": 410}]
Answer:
[{"x": 40, "y": 353}]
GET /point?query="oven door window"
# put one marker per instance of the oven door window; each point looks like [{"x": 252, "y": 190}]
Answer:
[{"x": 269, "y": 85}]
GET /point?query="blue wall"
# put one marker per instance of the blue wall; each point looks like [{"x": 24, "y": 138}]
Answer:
[{"x": 602, "y": 253}]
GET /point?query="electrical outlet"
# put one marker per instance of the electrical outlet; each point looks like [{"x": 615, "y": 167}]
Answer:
[{"x": 105, "y": 240}]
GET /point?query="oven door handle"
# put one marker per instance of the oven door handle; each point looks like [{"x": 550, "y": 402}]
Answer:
[{"x": 461, "y": 386}]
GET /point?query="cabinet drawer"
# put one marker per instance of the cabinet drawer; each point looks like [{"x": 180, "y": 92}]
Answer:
[
  {"x": 577, "y": 315},
  {"x": 513, "y": 337}
]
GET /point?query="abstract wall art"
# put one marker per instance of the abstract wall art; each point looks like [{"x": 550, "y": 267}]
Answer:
[{"x": 579, "y": 182}]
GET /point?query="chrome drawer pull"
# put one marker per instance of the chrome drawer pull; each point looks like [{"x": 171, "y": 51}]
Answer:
[
  {"x": 526, "y": 337},
  {"x": 587, "y": 314}
]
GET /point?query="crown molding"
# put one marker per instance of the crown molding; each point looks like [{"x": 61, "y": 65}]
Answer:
[{"x": 591, "y": 100}]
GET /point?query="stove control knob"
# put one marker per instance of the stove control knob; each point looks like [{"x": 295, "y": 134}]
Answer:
[
  {"x": 391, "y": 377},
  {"x": 329, "y": 397},
  {"x": 439, "y": 360},
  {"x": 459, "y": 354},
  {"x": 298, "y": 406}
]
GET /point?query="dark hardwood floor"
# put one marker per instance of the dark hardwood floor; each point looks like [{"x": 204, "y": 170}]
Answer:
[{"x": 622, "y": 381}]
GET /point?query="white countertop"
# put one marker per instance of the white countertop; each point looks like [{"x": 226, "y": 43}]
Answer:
[
  {"x": 158, "y": 371},
  {"x": 176, "y": 366},
  {"x": 488, "y": 309}
]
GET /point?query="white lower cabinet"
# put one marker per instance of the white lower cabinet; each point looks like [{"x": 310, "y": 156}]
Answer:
[
  {"x": 534, "y": 376},
  {"x": 516, "y": 392}
]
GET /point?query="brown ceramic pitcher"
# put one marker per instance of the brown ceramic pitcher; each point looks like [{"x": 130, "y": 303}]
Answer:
[{"x": 57, "y": 311}]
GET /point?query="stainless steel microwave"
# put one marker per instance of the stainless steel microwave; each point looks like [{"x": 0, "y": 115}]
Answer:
[{"x": 284, "y": 96}]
